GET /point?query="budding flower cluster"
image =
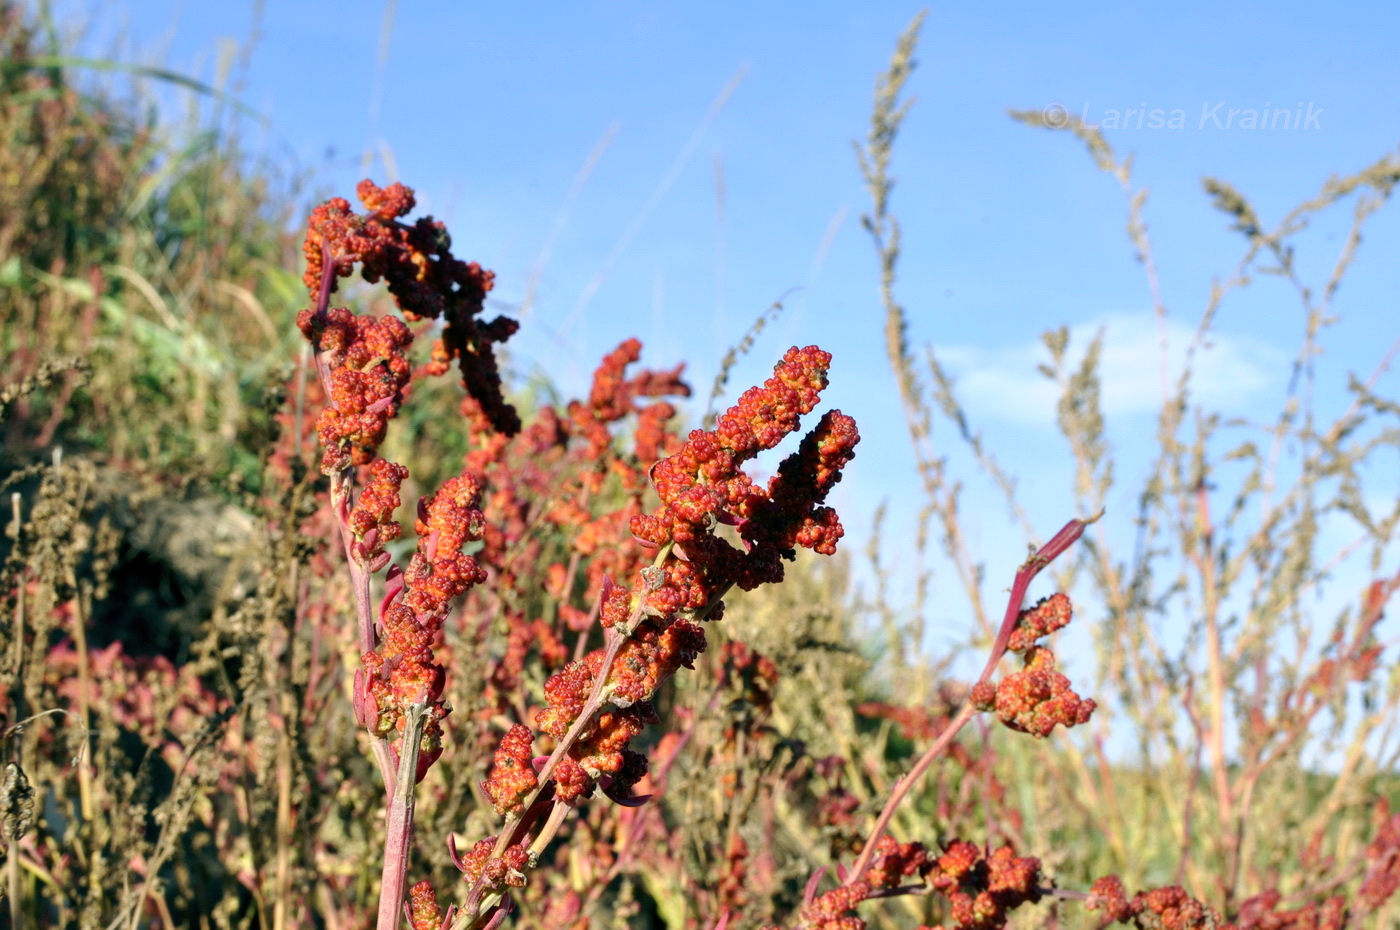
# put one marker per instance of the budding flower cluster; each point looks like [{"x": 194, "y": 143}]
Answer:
[
  {"x": 981, "y": 890},
  {"x": 655, "y": 624},
  {"x": 700, "y": 486},
  {"x": 1169, "y": 908},
  {"x": 368, "y": 372},
  {"x": 424, "y": 913},
  {"x": 1035, "y": 623},
  {"x": 402, "y": 671},
  {"x": 494, "y": 872},
  {"x": 1037, "y": 698},
  {"x": 984, "y": 889}
]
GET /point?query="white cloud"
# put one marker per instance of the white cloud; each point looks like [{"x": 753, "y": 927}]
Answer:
[{"x": 1003, "y": 382}]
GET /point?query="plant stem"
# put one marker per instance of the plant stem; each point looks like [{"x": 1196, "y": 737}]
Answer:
[
  {"x": 398, "y": 840},
  {"x": 398, "y": 784},
  {"x": 342, "y": 488}
]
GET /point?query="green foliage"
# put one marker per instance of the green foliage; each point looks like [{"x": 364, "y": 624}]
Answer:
[{"x": 157, "y": 254}]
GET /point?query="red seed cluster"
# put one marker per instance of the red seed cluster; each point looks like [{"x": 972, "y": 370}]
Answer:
[
  {"x": 403, "y": 669},
  {"x": 1035, "y": 623},
  {"x": 655, "y": 621},
  {"x": 613, "y": 396},
  {"x": 334, "y": 230},
  {"x": 565, "y": 460},
  {"x": 423, "y": 910},
  {"x": 616, "y": 605},
  {"x": 734, "y": 878},
  {"x": 703, "y": 477},
  {"x": 1262, "y": 912},
  {"x": 647, "y": 659},
  {"x": 1034, "y": 699},
  {"x": 894, "y": 862},
  {"x": 698, "y": 485},
  {"x": 571, "y": 781},
  {"x": 505, "y": 870},
  {"x": 832, "y": 911},
  {"x": 1382, "y": 860},
  {"x": 983, "y": 890},
  {"x": 601, "y": 752},
  {"x": 653, "y": 439},
  {"x": 659, "y": 615},
  {"x": 752, "y": 673},
  {"x": 703, "y": 483},
  {"x": 371, "y": 519},
  {"x": 512, "y": 777},
  {"x": 1171, "y": 908},
  {"x": 1108, "y": 894},
  {"x": 566, "y": 692},
  {"x": 368, "y": 374}
]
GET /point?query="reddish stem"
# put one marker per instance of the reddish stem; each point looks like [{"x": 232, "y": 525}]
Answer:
[
  {"x": 398, "y": 840},
  {"x": 398, "y": 786}
]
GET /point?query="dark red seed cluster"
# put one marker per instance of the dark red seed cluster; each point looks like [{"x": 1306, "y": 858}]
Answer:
[
  {"x": 1167, "y": 908},
  {"x": 427, "y": 282},
  {"x": 894, "y": 862},
  {"x": 1171, "y": 908},
  {"x": 833, "y": 910},
  {"x": 1262, "y": 912},
  {"x": 1108, "y": 895},
  {"x": 750, "y": 672},
  {"x": 983, "y": 890}
]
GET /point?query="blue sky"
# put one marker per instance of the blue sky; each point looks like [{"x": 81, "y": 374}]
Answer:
[{"x": 493, "y": 111}]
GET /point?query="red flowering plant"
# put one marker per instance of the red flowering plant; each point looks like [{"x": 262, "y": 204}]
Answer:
[
  {"x": 716, "y": 528},
  {"x": 365, "y": 373},
  {"x": 597, "y": 705}
]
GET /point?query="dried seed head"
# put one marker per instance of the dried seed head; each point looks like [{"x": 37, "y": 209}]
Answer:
[{"x": 16, "y": 804}]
